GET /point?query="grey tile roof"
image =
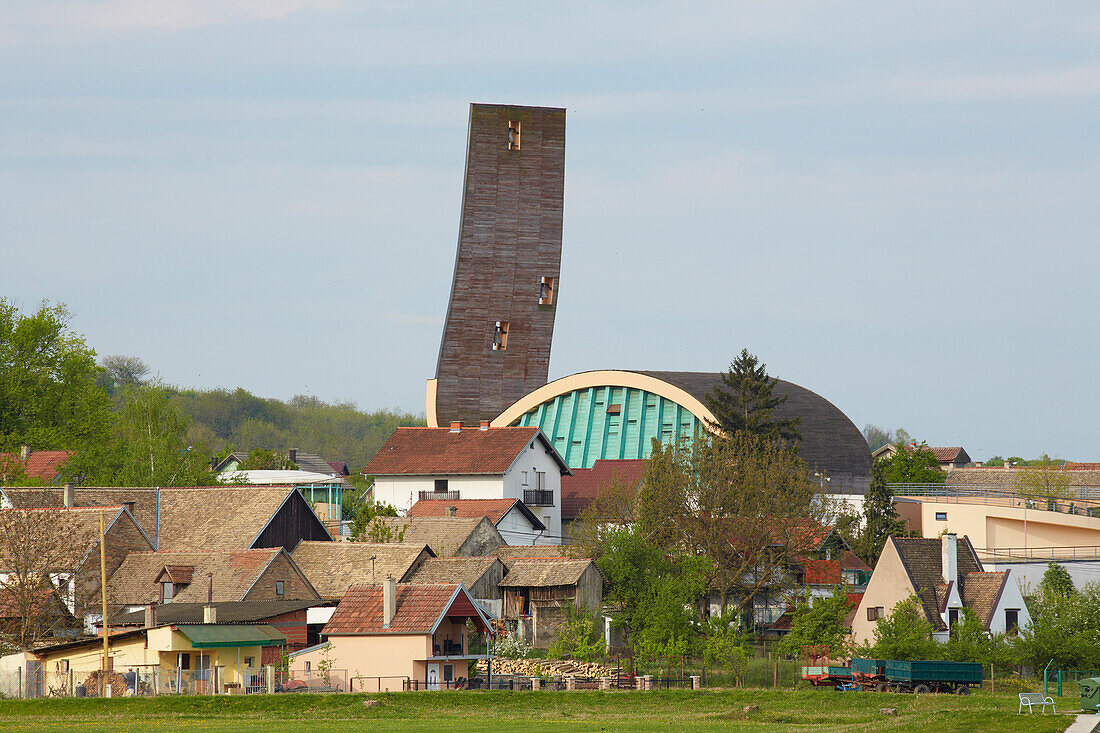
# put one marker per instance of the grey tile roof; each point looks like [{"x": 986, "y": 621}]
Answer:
[{"x": 333, "y": 567}]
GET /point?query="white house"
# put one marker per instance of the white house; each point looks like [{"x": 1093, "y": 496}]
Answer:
[
  {"x": 459, "y": 462},
  {"x": 946, "y": 576}
]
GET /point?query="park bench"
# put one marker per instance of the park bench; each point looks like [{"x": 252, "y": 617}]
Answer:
[{"x": 1035, "y": 698}]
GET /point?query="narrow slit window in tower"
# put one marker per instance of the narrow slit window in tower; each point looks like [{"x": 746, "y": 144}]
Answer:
[
  {"x": 500, "y": 336},
  {"x": 513, "y": 134},
  {"x": 546, "y": 291}
]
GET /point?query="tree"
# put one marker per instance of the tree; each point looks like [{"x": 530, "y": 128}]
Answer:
[
  {"x": 1044, "y": 480},
  {"x": 41, "y": 552},
  {"x": 912, "y": 465},
  {"x": 904, "y": 634},
  {"x": 744, "y": 402},
  {"x": 49, "y": 398},
  {"x": 122, "y": 371},
  {"x": 725, "y": 646},
  {"x": 1057, "y": 581},
  {"x": 362, "y": 520},
  {"x": 818, "y": 622},
  {"x": 261, "y": 459},
  {"x": 1062, "y": 628},
  {"x": 747, "y": 504},
  {"x": 876, "y": 437},
  {"x": 880, "y": 520}
]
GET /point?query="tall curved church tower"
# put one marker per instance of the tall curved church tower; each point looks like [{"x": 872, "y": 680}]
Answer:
[{"x": 500, "y": 317}]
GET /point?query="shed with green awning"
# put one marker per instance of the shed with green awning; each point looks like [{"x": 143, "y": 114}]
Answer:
[{"x": 209, "y": 636}]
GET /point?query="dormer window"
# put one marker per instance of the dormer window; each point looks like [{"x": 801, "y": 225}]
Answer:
[
  {"x": 513, "y": 134},
  {"x": 500, "y": 336},
  {"x": 167, "y": 591}
]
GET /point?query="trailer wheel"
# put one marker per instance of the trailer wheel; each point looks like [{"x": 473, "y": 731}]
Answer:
[
  {"x": 881, "y": 687},
  {"x": 962, "y": 690},
  {"x": 922, "y": 690}
]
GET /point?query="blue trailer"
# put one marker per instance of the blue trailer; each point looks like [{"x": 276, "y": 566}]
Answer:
[{"x": 924, "y": 676}]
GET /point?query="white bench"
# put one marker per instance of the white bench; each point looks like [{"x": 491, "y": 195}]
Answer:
[{"x": 1035, "y": 698}]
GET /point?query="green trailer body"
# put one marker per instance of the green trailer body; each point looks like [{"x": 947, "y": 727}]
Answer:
[
  {"x": 868, "y": 667},
  {"x": 934, "y": 672}
]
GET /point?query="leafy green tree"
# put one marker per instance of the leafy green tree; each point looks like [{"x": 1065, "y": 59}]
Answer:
[
  {"x": 912, "y": 466},
  {"x": 580, "y": 637},
  {"x": 726, "y": 646},
  {"x": 363, "y": 514},
  {"x": 653, "y": 592},
  {"x": 904, "y": 634},
  {"x": 818, "y": 622},
  {"x": 261, "y": 459},
  {"x": 118, "y": 372},
  {"x": 745, "y": 402},
  {"x": 876, "y": 437},
  {"x": 49, "y": 398},
  {"x": 1063, "y": 628},
  {"x": 1057, "y": 581},
  {"x": 1045, "y": 480}
]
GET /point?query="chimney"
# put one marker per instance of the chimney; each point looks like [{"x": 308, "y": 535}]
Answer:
[
  {"x": 949, "y": 558},
  {"x": 130, "y": 505},
  {"x": 209, "y": 612},
  {"x": 452, "y": 511},
  {"x": 1007, "y": 464},
  {"x": 389, "y": 601},
  {"x": 456, "y": 426},
  {"x": 150, "y": 615},
  {"x": 69, "y": 496},
  {"x": 484, "y": 425},
  {"x": 24, "y": 452}
]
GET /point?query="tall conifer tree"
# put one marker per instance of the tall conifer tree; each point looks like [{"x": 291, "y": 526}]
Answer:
[{"x": 744, "y": 402}]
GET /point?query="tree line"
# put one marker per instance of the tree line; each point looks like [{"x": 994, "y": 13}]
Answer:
[{"x": 128, "y": 429}]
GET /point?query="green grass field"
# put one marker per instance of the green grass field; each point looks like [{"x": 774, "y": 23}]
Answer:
[{"x": 522, "y": 712}]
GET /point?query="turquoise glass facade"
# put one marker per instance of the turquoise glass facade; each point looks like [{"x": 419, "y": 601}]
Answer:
[{"x": 588, "y": 424}]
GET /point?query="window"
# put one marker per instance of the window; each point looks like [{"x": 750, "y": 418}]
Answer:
[
  {"x": 441, "y": 484},
  {"x": 546, "y": 291},
  {"x": 952, "y": 620},
  {"x": 448, "y": 672},
  {"x": 1012, "y": 620},
  {"x": 167, "y": 591},
  {"x": 250, "y": 662},
  {"x": 523, "y": 477},
  {"x": 941, "y": 516},
  {"x": 184, "y": 661},
  {"x": 500, "y": 336},
  {"x": 540, "y": 480},
  {"x": 280, "y": 587},
  {"x": 308, "y": 665},
  {"x": 874, "y": 613},
  {"x": 513, "y": 134}
]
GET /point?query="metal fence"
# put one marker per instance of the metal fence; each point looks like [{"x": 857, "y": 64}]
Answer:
[
  {"x": 1067, "y": 678},
  {"x": 311, "y": 680}
]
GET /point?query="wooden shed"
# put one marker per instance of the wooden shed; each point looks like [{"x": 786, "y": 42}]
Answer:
[{"x": 532, "y": 582}]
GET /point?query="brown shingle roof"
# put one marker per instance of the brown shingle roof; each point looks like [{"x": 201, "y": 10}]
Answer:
[
  {"x": 923, "y": 558},
  {"x": 333, "y": 567},
  {"x": 1002, "y": 479},
  {"x": 136, "y": 581},
  {"x": 983, "y": 590},
  {"x": 216, "y": 518},
  {"x": 465, "y": 570},
  {"x": 586, "y": 484},
  {"x": 544, "y": 573},
  {"x": 445, "y": 536},
  {"x": 441, "y": 452},
  {"x": 419, "y": 607},
  {"x": 511, "y": 553},
  {"x": 143, "y": 499}
]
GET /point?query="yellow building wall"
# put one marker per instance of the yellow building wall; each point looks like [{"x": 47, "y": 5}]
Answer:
[
  {"x": 1000, "y": 526},
  {"x": 380, "y": 656}
]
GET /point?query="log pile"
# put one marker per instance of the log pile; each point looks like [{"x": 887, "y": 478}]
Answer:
[{"x": 548, "y": 668}]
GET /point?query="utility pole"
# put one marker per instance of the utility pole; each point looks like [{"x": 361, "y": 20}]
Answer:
[{"x": 103, "y": 597}]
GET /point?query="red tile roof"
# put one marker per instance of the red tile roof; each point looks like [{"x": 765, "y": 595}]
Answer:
[
  {"x": 441, "y": 451},
  {"x": 419, "y": 608},
  {"x": 586, "y": 484},
  {"x": 821, "y": 572},
  {"x": 850, "y": 561},
  {"x": 494, "y": 509},
  {"x": 40, "y": 464}
]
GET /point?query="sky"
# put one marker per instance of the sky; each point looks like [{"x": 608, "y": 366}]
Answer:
[{"x": 896, "y": 205}]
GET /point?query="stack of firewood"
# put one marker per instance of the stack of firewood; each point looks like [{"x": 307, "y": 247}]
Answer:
[{"x": 548, "y": 668}]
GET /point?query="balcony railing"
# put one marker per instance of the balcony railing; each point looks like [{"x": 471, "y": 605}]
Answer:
[
  {"x": 438, "y": 496},
  {"x": 538, "y": 497}
]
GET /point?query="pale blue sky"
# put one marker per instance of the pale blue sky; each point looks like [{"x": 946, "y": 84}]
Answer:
[{"x": 892, "y": 204}]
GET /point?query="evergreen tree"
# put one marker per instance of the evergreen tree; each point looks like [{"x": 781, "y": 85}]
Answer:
[
  {"x": 879, "y": 518},
  {"x": 1057, "y": 581},
  {"x": 744, "y": 402}
]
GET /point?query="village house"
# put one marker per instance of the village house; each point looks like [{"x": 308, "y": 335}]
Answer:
[
  {"x": 515, "y": 522},
  {"x": 481, "y": 576},
  {"x": 464, "y": 462},
  {"x": 948, "y": 457},
  {"x": 607, "y": 476},
  {"x": 44, "y": 466},
  {"x": 333, "y": 567},
  {"x": 447, "y": 537},
  {"x": 945, "y": 575},
  {"x": 539, "y": 594},
  {"x": 400, "y": 636}
]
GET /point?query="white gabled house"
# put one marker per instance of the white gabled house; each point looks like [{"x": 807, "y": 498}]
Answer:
[{"x": 459, "y": 463}]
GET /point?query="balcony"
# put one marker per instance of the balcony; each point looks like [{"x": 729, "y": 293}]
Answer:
[
  {"x": 538, "y": 497},
  {"x": 439, "y": 496}
]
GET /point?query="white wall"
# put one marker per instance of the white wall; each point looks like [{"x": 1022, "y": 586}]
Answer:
[
  {"x": 1011, "y": 597},
  {"x": 403, "y": 491},
  {"x": 516, "y": 529},
  {"x": 532, "y": 460}
]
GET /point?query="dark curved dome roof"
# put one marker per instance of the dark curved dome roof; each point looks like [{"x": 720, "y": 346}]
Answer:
[{"x": 829, "y": 439}]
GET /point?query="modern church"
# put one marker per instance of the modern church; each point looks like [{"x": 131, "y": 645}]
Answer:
[{"x": 494, "y": 357}]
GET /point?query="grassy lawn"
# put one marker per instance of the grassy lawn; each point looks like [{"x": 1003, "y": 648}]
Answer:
[{"x": 486, "y": 712}]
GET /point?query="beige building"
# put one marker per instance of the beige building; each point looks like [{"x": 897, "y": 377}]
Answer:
[
  {"x": 945, "y": 575},
  {"x": 1001, "y": 522},
  {"x": 399, "y": 636}
]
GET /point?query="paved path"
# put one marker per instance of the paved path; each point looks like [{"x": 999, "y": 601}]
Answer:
[{"x": 1084, "y": 724}]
